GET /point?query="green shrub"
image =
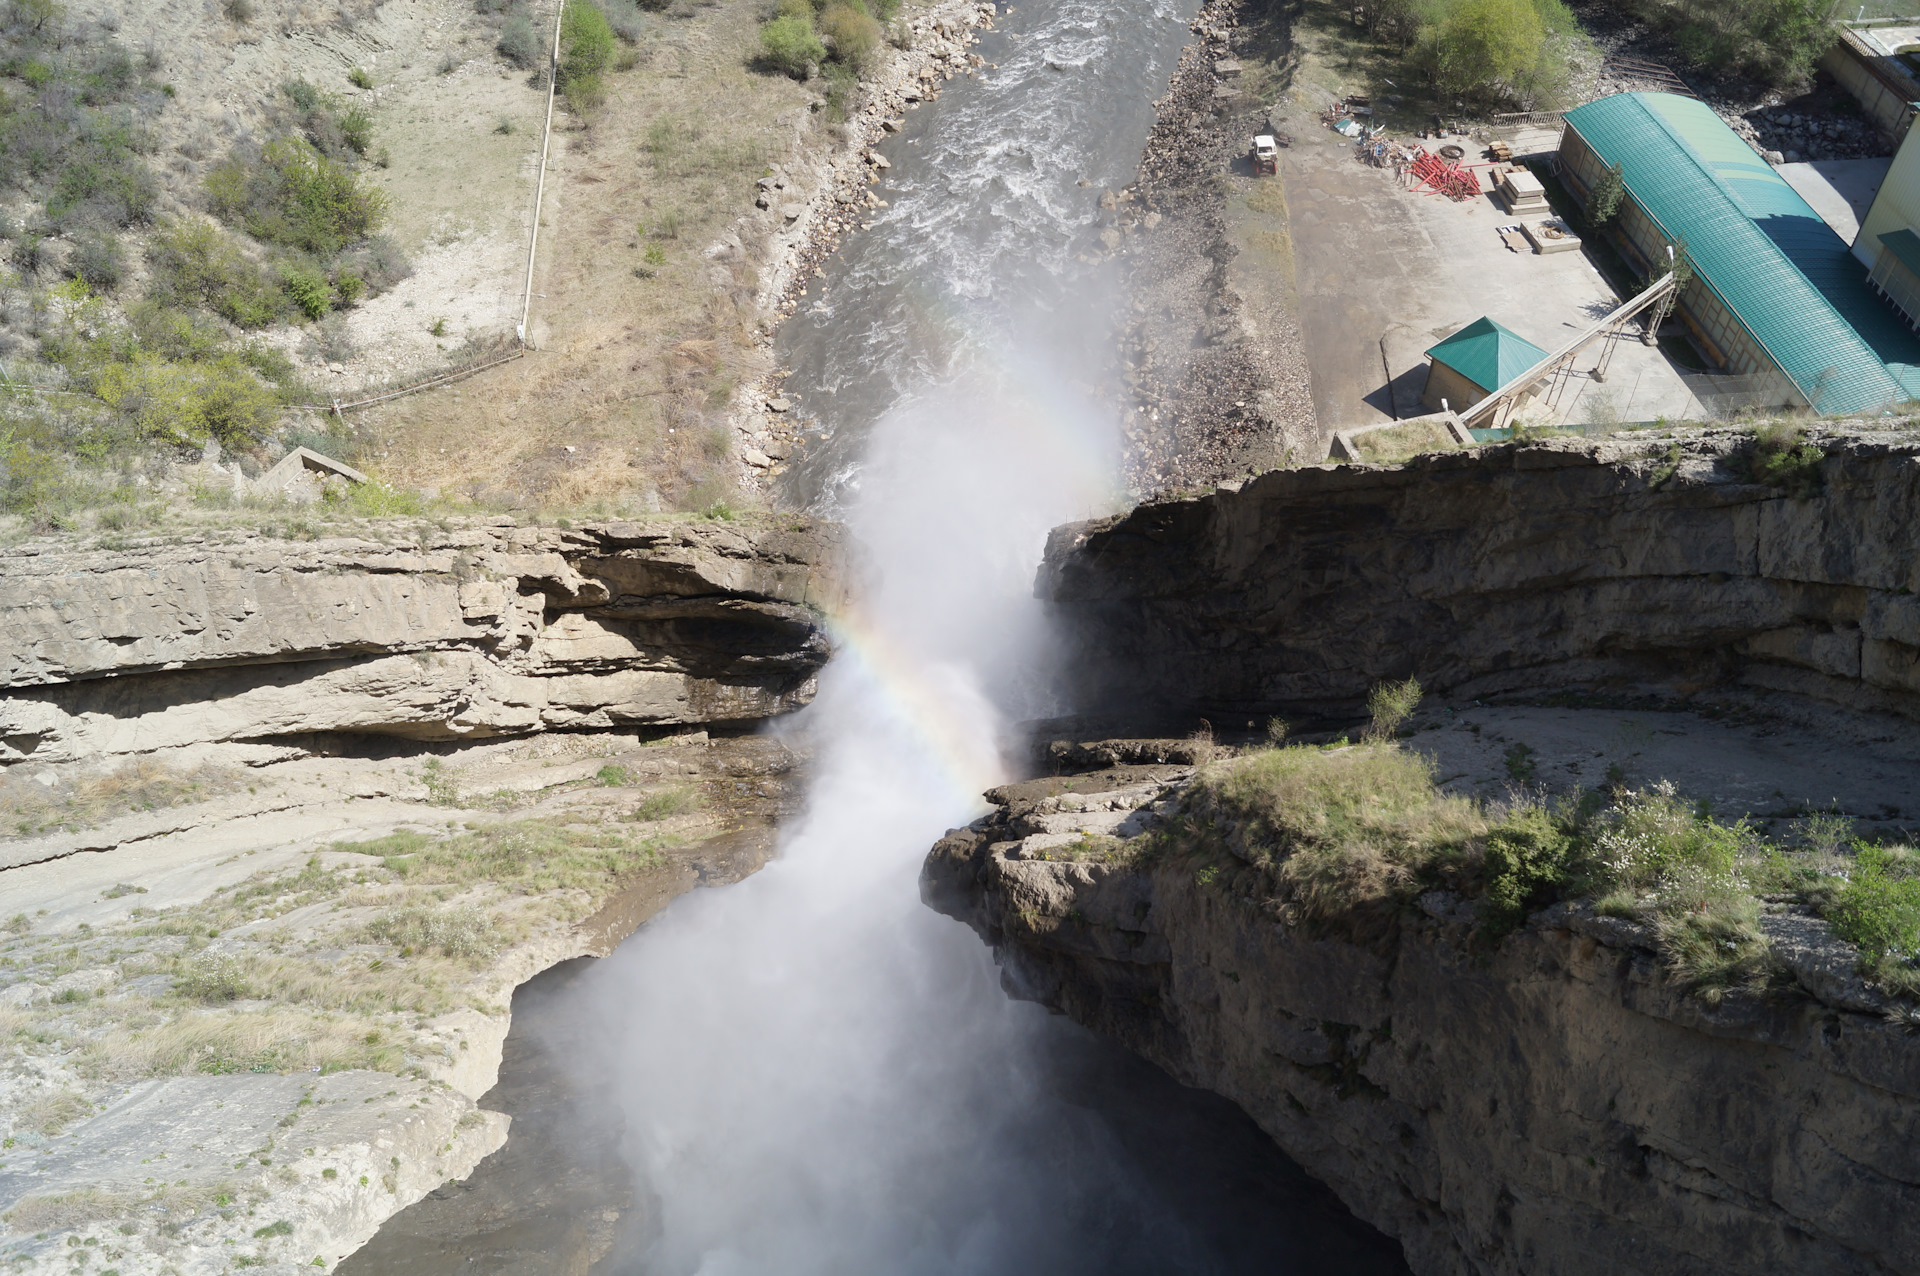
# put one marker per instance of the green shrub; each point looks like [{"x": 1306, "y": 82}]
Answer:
[
  {"x": 855, "y": 35},
  {"x": 1483, "y": 41},
  {"x": 360, "y": 78},
  {"x": 193, "y": 264},
  {"x": 790, "y": 45},
  {"x": 519, "y": 43},
  {"x": 304, "y": 95},
  {"x": 586, "y": 43},
  {"x": 1780, "y": 459},
  {"x": 1389, "y": 705},
  {"x": 308, "y": 288},
  {"x": 1526, "y": 858},
  {"x": 1773, "y": 40},
  {"x": 96, "y": 260},
  {"x": 1654, "y": 845},
  {"x": 102, "y": 182},
  {"x": 215, "y": 978},
  {"x": 356, "y": 129},
  {"x": 186, "y": 403},
  {"x": 1878, "y": 911},
  {"x": 294, "y": 196}
]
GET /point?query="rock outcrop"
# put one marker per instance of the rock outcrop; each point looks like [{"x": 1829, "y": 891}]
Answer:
[
  {"x": 482, "y": 629},
  {"x": 1556, "y": 1105},
  {"x": 1644, "y": 559}
]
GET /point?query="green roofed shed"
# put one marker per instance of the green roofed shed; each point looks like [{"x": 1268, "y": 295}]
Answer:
[
  {"x": 1487, "y": 354},
  {"x": 1476, "y": 361}
]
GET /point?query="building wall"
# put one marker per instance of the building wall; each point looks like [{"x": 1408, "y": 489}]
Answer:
[
  {"x": 1715, "y": 329},
  {"x": 1445, "y": 383},
  {"x": 1897, "y": 206},
  {"x": 1881, "y": 85}
]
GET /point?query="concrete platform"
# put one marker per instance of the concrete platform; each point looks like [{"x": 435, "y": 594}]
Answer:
[
  {"x": 1841, "y": 191},
  {"x": 1384, "y": 273}
]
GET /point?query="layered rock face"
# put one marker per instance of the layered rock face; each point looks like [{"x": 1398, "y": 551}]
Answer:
[
  {"x": 1533, "y": 566},
  {"x": 485, "y": 629},
  {"x": 1553, "y": 1106}
]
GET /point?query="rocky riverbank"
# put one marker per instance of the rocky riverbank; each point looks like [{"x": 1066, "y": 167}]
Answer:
[
  {"x": 820, "y": 194},
  {"x": 1212, "y": 360}
]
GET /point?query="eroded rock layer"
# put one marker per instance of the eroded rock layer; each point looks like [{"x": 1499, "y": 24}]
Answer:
[
  {"x": 1518, "y": 567},
  {"x": 483, "y": 629},
  {"x": 1552, "y": 1105}
]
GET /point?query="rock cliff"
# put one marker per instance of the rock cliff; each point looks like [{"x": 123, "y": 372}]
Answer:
[
  {"x": 476, "y": 630},
  {"x": 1645, "y": 558},
  {"x": 1555, "y": 1105}
]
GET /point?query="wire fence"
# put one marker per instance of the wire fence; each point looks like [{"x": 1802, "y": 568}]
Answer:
[{"x": 337, "y": 406}]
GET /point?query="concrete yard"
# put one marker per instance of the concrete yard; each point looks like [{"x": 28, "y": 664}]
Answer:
[
  {"x": 1841, "y": 191},
  {"x": 1384, "y": 273}
]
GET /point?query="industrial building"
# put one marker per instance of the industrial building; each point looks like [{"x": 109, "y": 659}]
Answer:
[{"x": 1777, "y": 295}]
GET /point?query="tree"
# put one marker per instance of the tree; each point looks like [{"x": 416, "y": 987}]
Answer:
[
  {"x": 791, "y": 45},
  {"x": 1607, "y": 192},
  {"x": 1484, "y": 42},
  {"x": 586, "y": 51}
]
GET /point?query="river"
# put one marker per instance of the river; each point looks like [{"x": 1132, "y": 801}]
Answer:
[{"x": 809, "y": 1073}]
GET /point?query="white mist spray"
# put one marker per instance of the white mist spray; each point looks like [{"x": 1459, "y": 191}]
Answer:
[{"x": 821, "y": 1075}]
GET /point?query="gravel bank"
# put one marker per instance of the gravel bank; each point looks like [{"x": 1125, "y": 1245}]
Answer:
[{"x": 1215, "y": 386}]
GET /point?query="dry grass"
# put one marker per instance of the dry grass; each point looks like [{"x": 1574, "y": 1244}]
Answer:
[
  {"x": 640, "y": 344},
  {"x": 1399, "y": 443},
  {"x": 64, "y": 1211},
  {"x": 51, "y": 1113},
  {"x": 28, "y": 808},
  {"x": 531, "y": 857},
  {"x": 1343, "y": 828},
  {"x": 243, "y": 1041}
]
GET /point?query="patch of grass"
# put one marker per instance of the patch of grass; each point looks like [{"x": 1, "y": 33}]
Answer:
[
  {"x": 49, "y": 1114},
  {"x": 1780, "y": 458},
  {"x": 530, "y": 857},
  {"x": 612, "y": 777},
  {"x": 360, "y": 78},
  {"x": 664, "y": 803},
  {"x": 1400, "y": 443},
  {"x": 452, "y": 932},
  {"x": 1344, "y": 829},
  {"x": 28, "y": 809}
]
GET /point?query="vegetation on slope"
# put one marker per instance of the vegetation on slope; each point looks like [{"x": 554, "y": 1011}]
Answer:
[{"x": 1342, "y": 838}]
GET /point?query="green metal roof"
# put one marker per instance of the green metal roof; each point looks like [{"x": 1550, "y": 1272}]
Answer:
[
  {"x": 1904, "y": 245},
  {"x": 1487, "y": 354},
  {"x": 1761, "y": 247}
]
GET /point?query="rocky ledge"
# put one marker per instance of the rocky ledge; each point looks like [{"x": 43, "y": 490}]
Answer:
[
  {"x": 1553, "y": 1104},
  {"x": 270, "y": 647},
  {"x": 1688, "y": 560}
]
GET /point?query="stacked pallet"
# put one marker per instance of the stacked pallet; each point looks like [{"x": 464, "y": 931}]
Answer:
[{"x": 1523, "y": 195}]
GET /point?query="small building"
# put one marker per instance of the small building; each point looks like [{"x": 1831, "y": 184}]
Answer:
[
  {"x": 1776, "y": 295},
  {"x": 1474, "y": 362}
]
